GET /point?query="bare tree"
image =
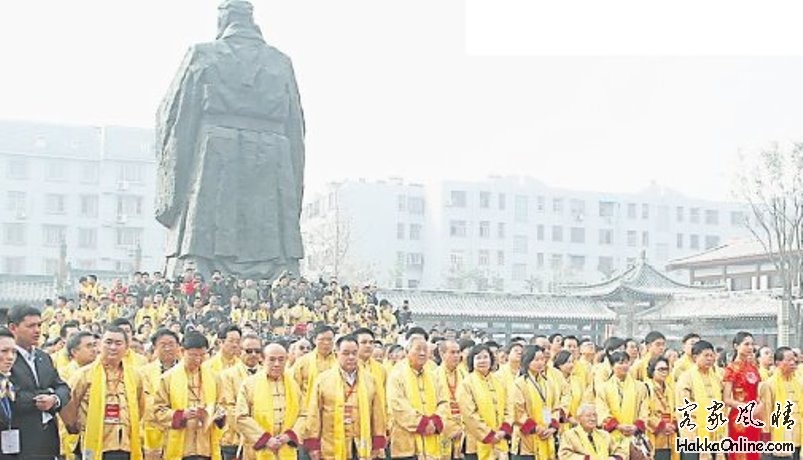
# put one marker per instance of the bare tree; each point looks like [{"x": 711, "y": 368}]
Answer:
[{"x": 771, "y": 183}]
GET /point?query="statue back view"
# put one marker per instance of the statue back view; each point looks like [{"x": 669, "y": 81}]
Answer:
[{"x": 231, "y": 155}]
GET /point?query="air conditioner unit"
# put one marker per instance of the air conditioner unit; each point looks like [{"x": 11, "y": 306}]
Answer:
[
  {"x": 122, "y": 219},
  {"x": 122, "y": 185}
]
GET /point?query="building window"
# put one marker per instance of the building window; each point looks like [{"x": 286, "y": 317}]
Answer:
[
  {"x": 519, "y": 272},
  {"x": 578, "y": 209},
  {"x": 500, "y": 258},
  {"x": 539, "y": 261},
  {"x": 399, "y": 231},
  {"x": 415, "y": 205},
  {"x": 501, "y": 200},
  {"x": 456, "y": 260},
  {"x": 557, "y": 233},
  {"x": 415, "y": 259},
  {"x": 16, "y": 203},
  {"x": 130, "y": 172},
  {"x": 485, "y": 200},
  {"x": 540, "y": 203},
  {"x": 402, "y": 203},
  {"x": 412, "y": 284},
  {"x": 578, "y": 235},
  {"x": 129, "y": 205},
  {"x": 605, "y": 265},
  {"x": 606, "y": 208},
  {"x": 711, "y": 217},
  {"x": 520, "y": 209},
  {"x": 606, "y": 236},
  {"x": 129, "y": 236},
  {"x": 645, "y": 211},
  {"x": 737, "y": 218},
  {"x": 679, "y": 213},
  {"x": 56, "y": 170},
  {"x": 55, "y": 204},
  {"x": 556, "y": 262},
  {"x": 694, "y": 215},
  {"x": 89, "y": 206},
  {"x": 539, "y": 232},
  {"x": 17, "y": 168},
  {"x": 694, "y": 241},
  {"x": 415, "y": 231},
  {"x": 87, "y": 238},
  {"x": 485, "y": 229},
  {"x": 711, "y": 241},
  {"x": 500, "y": 230},
  {"x": 50, "y": 266},
  {"x": 645, "y": 239},
  {"x": 557, "y": 205},
  {"x": 53, "y": 235},
  {"x": 520, "y": 244},
  {"x": 14, "y": 265},
  {"x": 680, "y": 241},
  {"x": 483, "y": 258},
  {"x": 457, "y": 228},
  {"x": 577, "y": 263},
  {"x": 632, "y": 237},
  {"x": 89, "y": 173},
  {"x": 14, "y": 234},
  {"x": 631, "y": 210},
  {"x": 458, "y": 199}
]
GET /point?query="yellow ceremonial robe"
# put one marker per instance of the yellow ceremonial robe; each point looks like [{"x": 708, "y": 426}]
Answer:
[
  {"x": 228, "y": 387},
  {"x": 451, "y": 447},
  {"x": 574, "y": 445},
  {"x": 305, "y": 372},
  {"x": 321, "y": 413},
  {"x": 405, "y": 418},
  {"x": 246, "y": 408},
  {"x": 477, "y": 429},
  {"x": 534, "y": 403},
  {"x": 116, "y": 436},
  {"x": 661, "y": 413},
  {"x": 778, "y": 390},
  {"x": 217, "y": 364}
]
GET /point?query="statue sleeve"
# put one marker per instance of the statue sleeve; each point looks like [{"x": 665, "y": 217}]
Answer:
[
  {"x": 176, "y": 134},
  {"x": 295, "y": 133}
]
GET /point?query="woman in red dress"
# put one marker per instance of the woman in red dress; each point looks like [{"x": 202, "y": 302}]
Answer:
[{"x": 740, "y": 387}]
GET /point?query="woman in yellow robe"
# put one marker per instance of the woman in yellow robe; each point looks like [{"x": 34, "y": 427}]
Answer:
[
  {"x": 482, "y": 398},
  {"x": 535, "y": 407},
  {"x": 622, "y": 402},
  {"x": 662, "y": 420},
  {"x": 571, "y": 385}
]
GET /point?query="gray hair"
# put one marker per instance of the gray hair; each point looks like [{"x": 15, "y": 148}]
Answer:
[{"x": 586, "y": 407}]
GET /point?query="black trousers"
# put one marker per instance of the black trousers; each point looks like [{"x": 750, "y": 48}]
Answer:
[
  {"x": 795, "y": 455},
  {"x": 228, "y": 452},
  {"x": 663, "y": 454},
  {"x": 117, "y": 455},
  {"x": 689, "y": 456}
]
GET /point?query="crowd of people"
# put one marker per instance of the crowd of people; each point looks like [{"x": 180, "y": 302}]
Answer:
[{"x": 297, "y": 370}]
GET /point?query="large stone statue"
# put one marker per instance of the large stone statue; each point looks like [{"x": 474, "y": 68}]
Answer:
[{"x": 230, "y": 147}]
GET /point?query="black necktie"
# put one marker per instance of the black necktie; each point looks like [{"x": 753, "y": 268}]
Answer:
[
  {"x": 252, "y": 371},
  {"x": 591, "y": 439}
]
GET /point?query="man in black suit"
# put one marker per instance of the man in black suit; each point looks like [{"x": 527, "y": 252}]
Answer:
[{"x": 40, "y": 393}]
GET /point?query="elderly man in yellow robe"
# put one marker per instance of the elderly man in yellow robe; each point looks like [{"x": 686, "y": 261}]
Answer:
[
  {"x": 307, "y": 368},
  {"x": 344, "y": 416},
  {"x": 166, "y": 349},
  {"x": 697, "y": 390},
  {"x": 185, "y": 405},
  {"x": 268, "y": 410},
  {"x": 450, "y": 378},
  {"x": 418, "y": 406},
  {"x": 107, "y": 403},
  {"x": 229, "y": 385},
  {"x": 229, "y": 354},
  {"x": 586, "y": 441},
  {"x": 781, "y": 391}
]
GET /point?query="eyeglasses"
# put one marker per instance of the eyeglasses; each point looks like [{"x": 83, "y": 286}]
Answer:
[
  {"x": 252, "y": 351},
  {"x": 661, "y": 369}
]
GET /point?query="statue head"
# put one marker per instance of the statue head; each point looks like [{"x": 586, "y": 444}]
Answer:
[{"x": 234, "y": 13}]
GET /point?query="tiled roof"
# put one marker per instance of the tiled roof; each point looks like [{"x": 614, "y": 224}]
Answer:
[
  {"x": 476, "y": 304},
  {"x": 716, "y": 305},
  {"x": 640, "y": 280},
  {"x": 737, "y": 249}
]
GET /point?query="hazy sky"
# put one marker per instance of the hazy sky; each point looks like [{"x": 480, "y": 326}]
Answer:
[{"x": 389, "y": 89}]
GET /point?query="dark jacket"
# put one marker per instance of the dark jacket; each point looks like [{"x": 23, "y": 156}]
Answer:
[{"x": 37, "y": 439}]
